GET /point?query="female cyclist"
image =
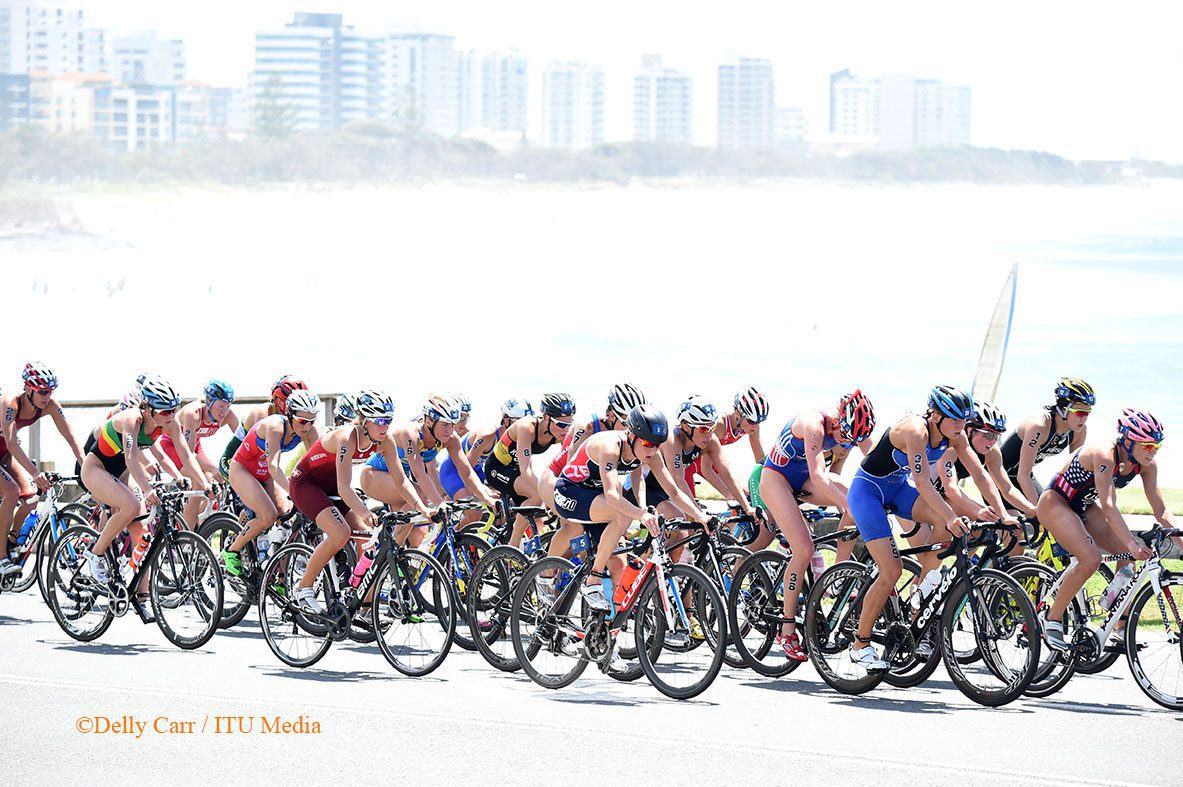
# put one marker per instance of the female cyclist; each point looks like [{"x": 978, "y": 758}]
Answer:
[
  {"x": 751, "y": 410},
  {"x": 200, "y": 419},
  {"x": 477, "y": 446},
  {"x": 1060, "y": 426},
  {"x": 283, "y": 388}
]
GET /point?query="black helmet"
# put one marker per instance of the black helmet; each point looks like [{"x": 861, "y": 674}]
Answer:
[
  {"x": 648, "y": 423},
  {"x": 558, "y": 405}
]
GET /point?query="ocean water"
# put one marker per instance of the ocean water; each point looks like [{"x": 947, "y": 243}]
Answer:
[{"x": 803, "y": 289}]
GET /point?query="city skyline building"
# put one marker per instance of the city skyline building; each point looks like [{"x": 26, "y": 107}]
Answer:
[
  {"x": 423, "y": 81},
  {"x": 663, "y": 104},
  {"x": 145, "y": 58},
  {"x": 494, "y": 92},
  {"x": 901, "y": 111},
  {"x": 49, "y": 38},
  {"x": 572, "y": 106},
  {"x": 791, "y": 127},
  {"x": 746, "y": 104}
]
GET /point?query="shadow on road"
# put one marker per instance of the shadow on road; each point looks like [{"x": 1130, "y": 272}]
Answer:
[
  {"x": 5, "y": 621},
  {"x": 112, "y": 650},
  {"x": 1093, "y": 707},
  {"x": 605, "y": 699},
  {"x": 326, "y": 676}
]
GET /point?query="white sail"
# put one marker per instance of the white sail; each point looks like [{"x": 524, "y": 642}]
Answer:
[{"x": 997, "y": 335}]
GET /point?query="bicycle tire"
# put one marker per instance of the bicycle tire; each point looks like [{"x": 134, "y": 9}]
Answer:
[
  {"x": 468, "y": 553},
  {"x": 1056, "y": 668},
  {"x": 399, "y": 603},
  {"x": 195, "y": 575},
  {"x": 733, "y": 556},
  {"x": 69, "y": 580},
  {"x": 45, "y": 549},
  {"x": 278, "y": 612},
  {"x": 215, "y": 530},
  {"x": 987, "y": 585},
  {"x": 498, "y": 572},
  {"x": 705, "y": 596},
  {"x": 754, "y": 610},
  {"x": 1140, "y": 651},
  {"x": 534, "y": 624},
  {"x": 831, "y": 621}
]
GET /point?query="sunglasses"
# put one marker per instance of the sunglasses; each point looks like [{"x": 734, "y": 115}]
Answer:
[
  {"x": 43, "y": 391},
  {"x": 1150, "y": 447},
  {"x": 704, "y": 429},
  {"x": 1081, "y": 413},
  {"x": 169, "y": 411},
  {"x": 562, "y": 424},
  {"x": 306, "y": 421},
  {"x": 381, "y": 421},
  {"x": 648, "y": 444}
]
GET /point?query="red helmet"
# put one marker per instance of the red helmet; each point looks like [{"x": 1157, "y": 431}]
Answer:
[
  {"x": 856, "y": 417},
  {"x": 37, "y": 374},
  {"x": 283, "y": 389}
]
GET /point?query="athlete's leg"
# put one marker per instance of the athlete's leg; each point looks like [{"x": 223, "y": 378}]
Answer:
[
  {"x": 1062, "y": 522},
  {"x": 778, "y": 496}
]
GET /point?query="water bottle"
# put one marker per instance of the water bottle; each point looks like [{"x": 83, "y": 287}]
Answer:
[
  {"x": 817, "y": 565},
  {"x": 364, "y": 561},
  {"x": 632, "y": 567},
  {"x": 1117, "y": 585},
  {"x": 27, "y": 528},
  {"x": 141, "y": 549},
  {"x": 927, "y": 586},
  {"x": 262, "y": 543}
]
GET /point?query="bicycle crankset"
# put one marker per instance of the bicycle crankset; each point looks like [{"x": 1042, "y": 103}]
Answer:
[
  {"x": 597, "y": 640},
  {"x": 1086, "y": 644},
  {"x": 337, "y": 617},
  {"x": 119, "y": 599}
]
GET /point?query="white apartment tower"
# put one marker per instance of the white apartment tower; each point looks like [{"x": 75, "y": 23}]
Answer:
[
  {"x": 423, "y": 81},
  {"x": 146, "y": 58},
  {"x": 321, "y": 71},
  {"x": 572, "y": 106},
  {"x": 747, "y": 108},
  {"x": 494, "y": 89},
  {"x": 902, "y": 111},
  {"x": 663, "y": 104},
  {"x": 854, "y": 105},
  {"x": 47, "y": 38},
  {"x": 942, "y": 114}
]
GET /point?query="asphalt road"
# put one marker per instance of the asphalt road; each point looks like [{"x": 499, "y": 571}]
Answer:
[{"x": 467, "y": 721}]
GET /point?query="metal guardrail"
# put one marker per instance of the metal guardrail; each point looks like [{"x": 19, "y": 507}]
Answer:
[{"x": 328, "y": 400}]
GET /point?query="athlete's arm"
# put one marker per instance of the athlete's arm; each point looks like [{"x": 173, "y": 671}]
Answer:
[
  {"x": 271, "y": 445},
  {"x": 165, "y": 462},
  {"x": 679, "y": 498},
  {"x": 471, "y": 480},
  {"x": 960, "y": 446},
  {"x": 714, "y": 451},
  {"x": 524, "y": 463},
  {"x": 757, "y": 447},
  {"x": 814, "y": 437},
  {"x": 915, "y": 437},
  {"x": 476, "y": 448},
  {"x": 1001, "y": 480},
  {"x": 343, "y": 466},
  {"x": 8, "y": 427},
  {"x": 64, "y": 429},
  {"x": 189, "y": 464},
  {"x": 1105, "y": 467},
  {"x": 1031, "y": 437},
  {"x": 394, "y": 467},
  {"x": 419, "y": 470}
]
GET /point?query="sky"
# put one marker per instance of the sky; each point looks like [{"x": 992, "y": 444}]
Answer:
[{"x": 1083, "y": 79}]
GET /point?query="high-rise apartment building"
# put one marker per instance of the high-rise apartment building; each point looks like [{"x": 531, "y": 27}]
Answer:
[
  {"x": 320, "y": 71},
  {"x": 572, "y": 106},
  {"x": 663, "y": 104},
  {"x": 791, "y": 129},
  {"x": 746, "y": 104},
  {"x": 494, "y": 92},
  {"x": 145, "y": 58},
  {"x": 135, "y": 117},
  {"x": 423, "y": 81},
  {"x": 902, "y": 111},
  {"x": 49, "y": 38}
]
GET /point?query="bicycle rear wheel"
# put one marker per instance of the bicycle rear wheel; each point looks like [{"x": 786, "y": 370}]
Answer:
[
  {"x": 681, "y": 672},
  {"x": 413, "y": 612},
  {"x": 295, "y": 640},
  {"x": 733, "y": 557},
  {"x": 490, "y": 604},
  {"x": 547, "y": 635},
  {"x": 185, "y": 587},
  {"x": 1154, "y": 641},
  {"x": 1055, "y": 668},
  {"x": 79, "y": 604},
  {"x": 755, "y": 609},
  {"x": 461, "y": 566},
  {"x": 45, "y": 549},
  {"x": 1000, "y": 620},
  {"x": 831, "y": 623},
  {"x": 219, "y": 531}
]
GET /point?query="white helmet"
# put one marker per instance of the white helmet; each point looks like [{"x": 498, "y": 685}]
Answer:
[
  {"x": 344, "y": 411},
  {"x": 623, "y": 398},
  {"x": 517, "y": 408},
  {"x": 373, "y": 404},
  {"x": 697, "y": 411},
  {"x": 159, "y": 394},
  {"x": 752, "y": 405},
  {"x": 303, "y": 402},
  {"x": 131, "y": 400},
  {"x": 464, "y": 404},
  {"x": 442, "y": 408}
]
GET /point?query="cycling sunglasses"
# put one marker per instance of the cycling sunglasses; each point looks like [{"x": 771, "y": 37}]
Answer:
[
  {"x": 648, "y": 444},
  {"x": 1082, "y": 412},
  {"x": 562, "y": 424},
  {"x": 169, "y": 411},
  {"x": 1150, "y": 447},
  {"x": 300, "y": 420},
  {"x": 381, "y": 421},
  {"x": 43, "y": 391}
]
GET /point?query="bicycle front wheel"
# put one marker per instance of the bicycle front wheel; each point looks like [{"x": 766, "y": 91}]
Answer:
[
  {"x": 219, "y": 531},
  {"x": 999, "y": 619},
  {"x": 65, "y": 520},
  {"x": 490, "y": 604},
  {"x": 413, "y": 612},
  {"x": 185, "y": 587},
  {"x": 695, "y": 633},
  {"x": 756, "y": 610},
  {"x": 79, "y": 604},
  {"x": 546, "y": 634},
  {"x": 295, "y": 640},
  {"x": 1154, "y": 641},
  {"x": 831, "y": 623}
]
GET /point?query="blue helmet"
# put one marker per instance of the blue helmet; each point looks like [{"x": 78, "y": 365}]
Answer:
[
  {"x": 951, "y": 402},
  {"x": 218, "y": 389}
]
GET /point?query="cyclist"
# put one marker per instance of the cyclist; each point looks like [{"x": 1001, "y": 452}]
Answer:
[
  {"x": 418, "y": 442},
  {"x": 1080, "y": 510},
  {"x": 322, "y": 484},
  {"x": 693, "y": 440},
  {"x": 508, "y": 468},
  {"x": 465, "y": 413},
  {"x": 984, "y": 429},
  {"x": 19, "y": 477},
  {"x": 621, "y": 400},
  {"x": 255, "y": 475},
  {"x": 477, "y": 446},
  {"x": 751, "y": 410},
  {"x": 898, "y": 473},
  {"x": 589, "y": 495},
  {"x": 200, "y": 419},
  {"x": 1060, "y": 426},
  {"x": 106, "y": 466},
  {"x": 283, "y": 388},
  {"x": 796, "y": 470},
  {"x": 342, "y": 414}
]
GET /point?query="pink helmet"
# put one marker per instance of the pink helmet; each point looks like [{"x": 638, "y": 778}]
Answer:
[{"x": 1139, "y": 426}]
